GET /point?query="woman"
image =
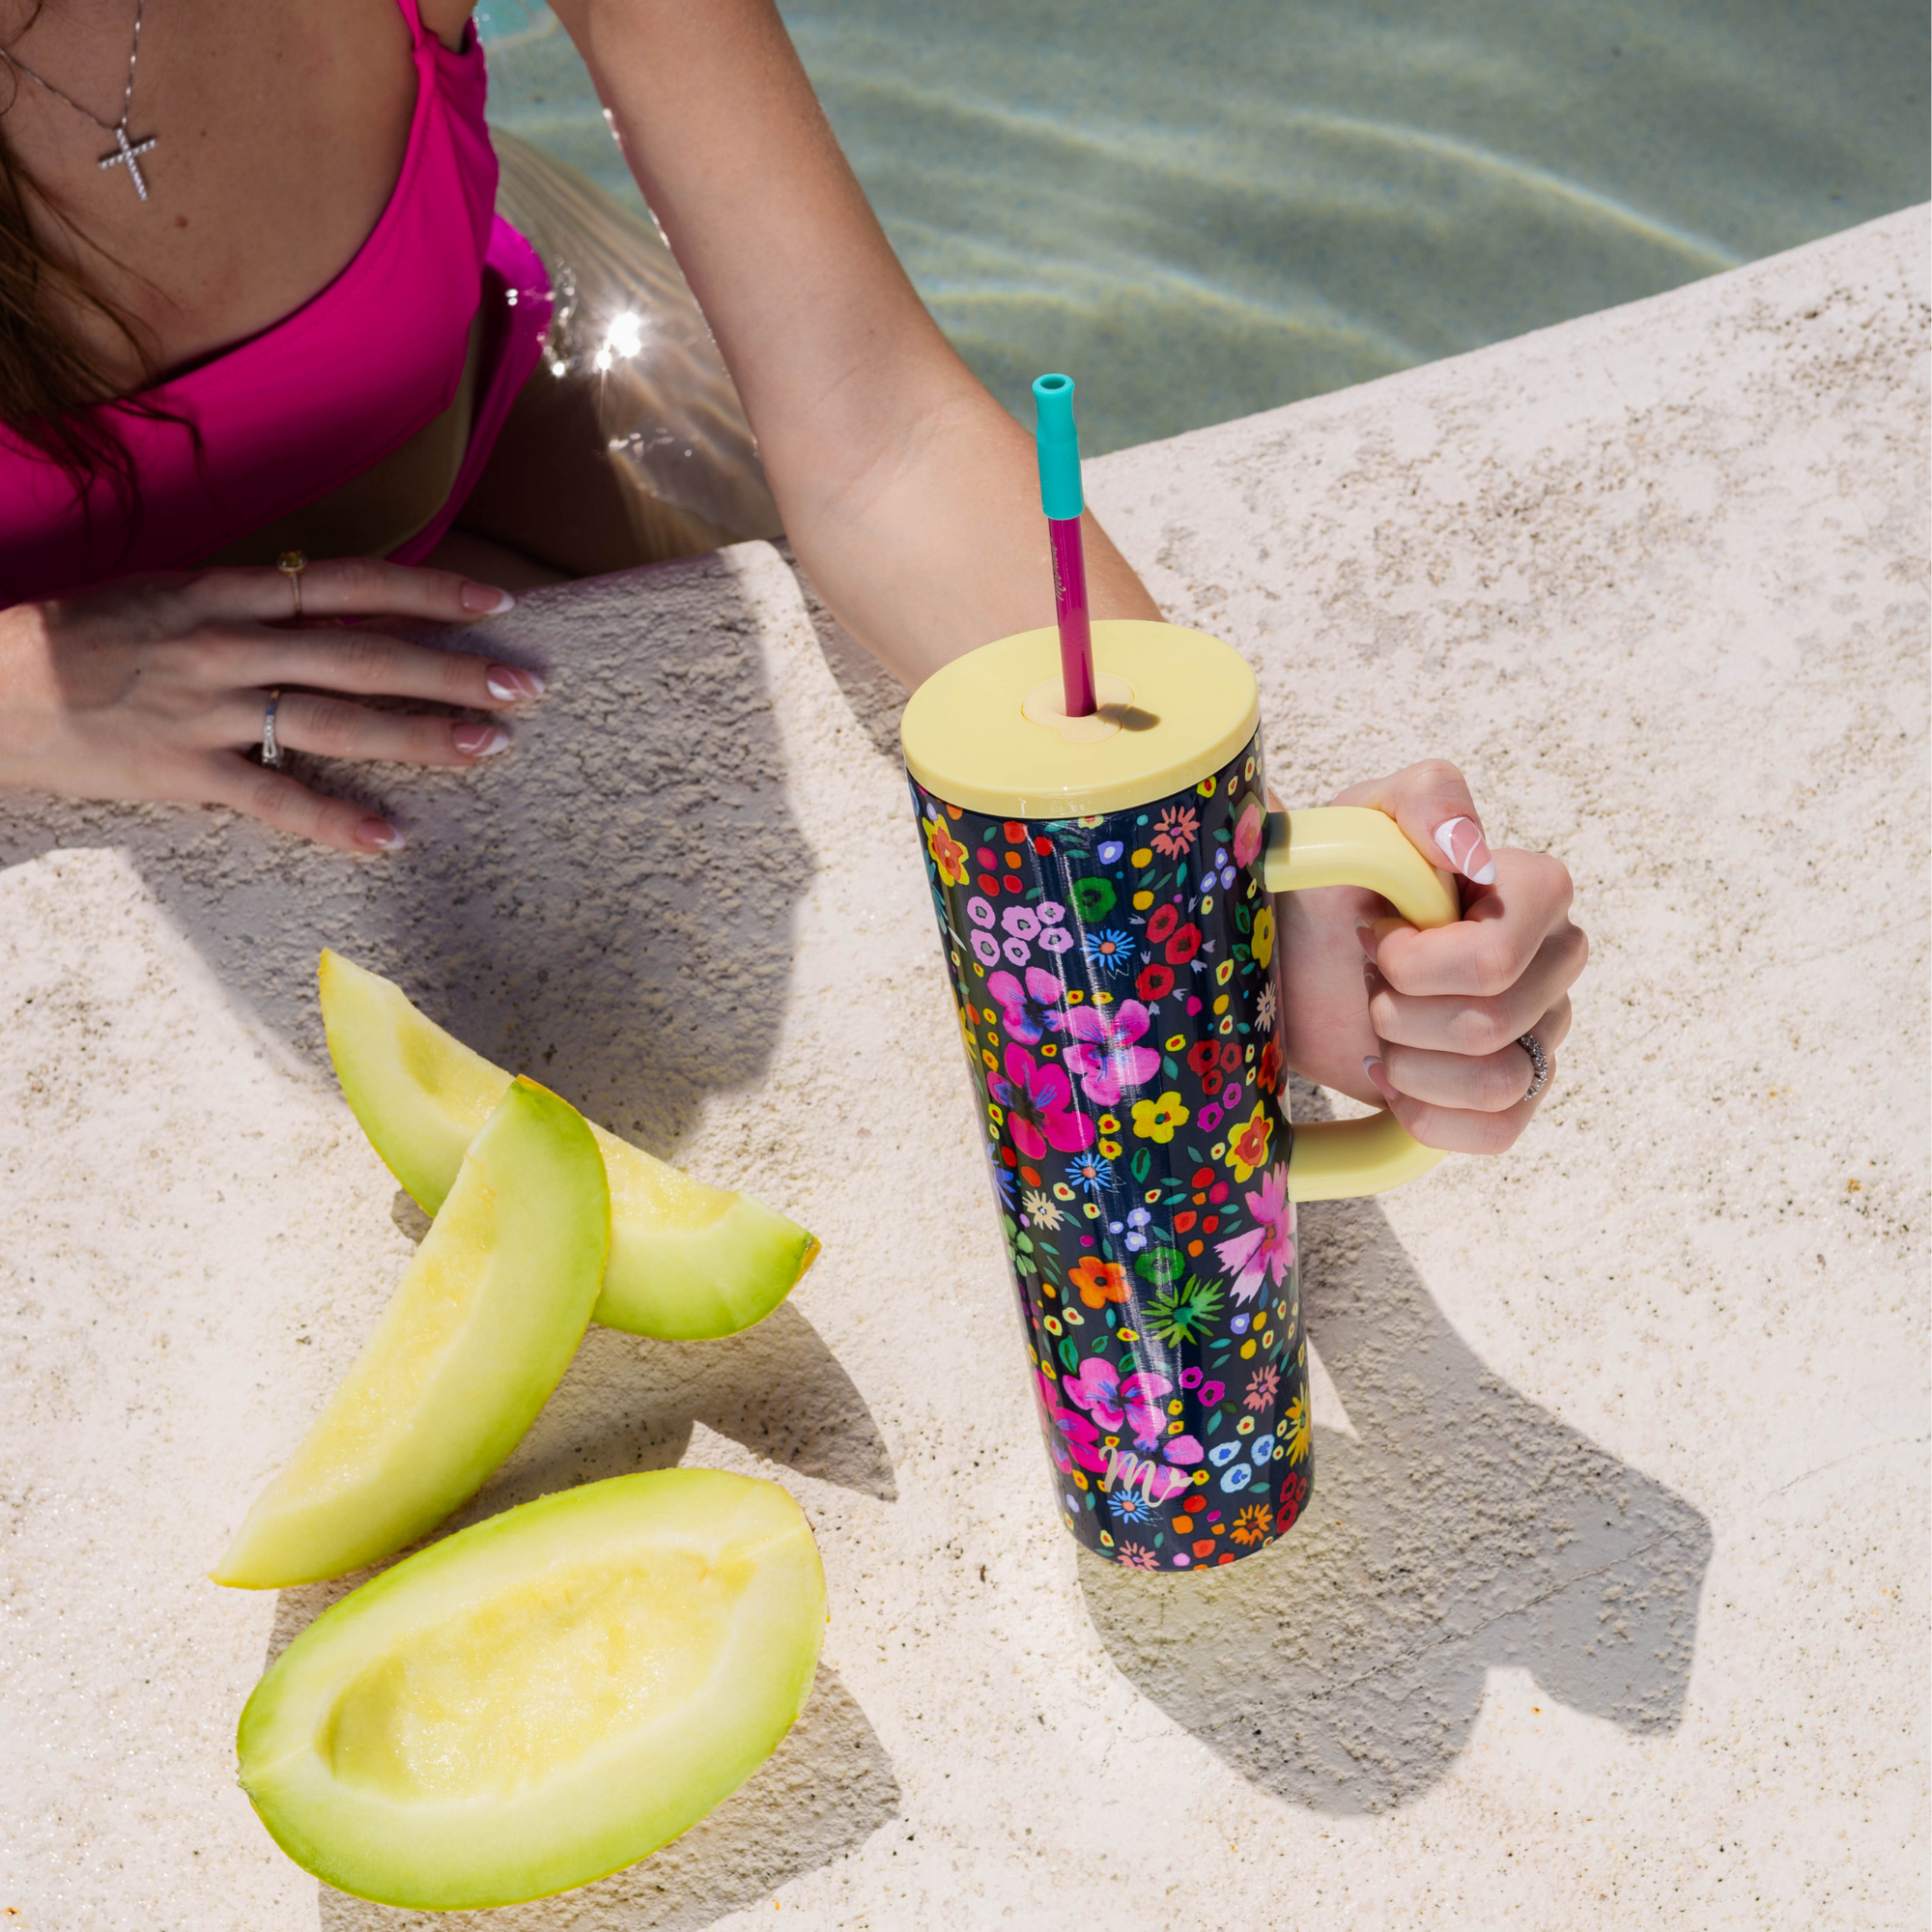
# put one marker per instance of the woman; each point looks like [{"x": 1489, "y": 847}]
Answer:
[{"x": 271, "y": 229}]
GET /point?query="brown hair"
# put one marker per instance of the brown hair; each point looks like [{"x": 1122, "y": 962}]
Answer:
[{"x": 51, "y": 388}]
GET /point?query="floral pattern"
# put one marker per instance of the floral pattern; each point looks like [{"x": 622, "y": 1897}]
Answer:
[{"x": 1114, "y": 983}]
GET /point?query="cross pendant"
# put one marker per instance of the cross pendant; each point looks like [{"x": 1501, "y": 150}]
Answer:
[{"x": 125, "y": 156}]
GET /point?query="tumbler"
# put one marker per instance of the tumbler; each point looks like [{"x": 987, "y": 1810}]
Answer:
[{"x": 1104, "y": 892}]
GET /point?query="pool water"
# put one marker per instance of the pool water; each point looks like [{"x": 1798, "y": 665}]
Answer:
[{"x": 1202, "y": 211}]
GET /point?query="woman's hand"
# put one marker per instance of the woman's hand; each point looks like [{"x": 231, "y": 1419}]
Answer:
[
  {"x": 1427, "y": 1022},
  {"x": 154, "y": 687}
]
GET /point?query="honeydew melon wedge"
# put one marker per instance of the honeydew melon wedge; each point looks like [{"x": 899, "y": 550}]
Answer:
[
  {"x": 688, "y": 1263},
  {"x": 544, "y": 1697},
  {"x": 482, "y": 1324}
]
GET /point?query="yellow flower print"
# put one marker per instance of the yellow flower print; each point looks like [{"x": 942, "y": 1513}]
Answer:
[
  {"x": 1253, "y": 1525},
  {"x": 1248, "y": 1144},
  {"x": 1110, "y": 1150},
  {"x": 1262, "y": 943},
  {"x": 1157, "y": 1120},
  {"x": 948, "y": 854},
  {"x": 1293, "y": 1436}
]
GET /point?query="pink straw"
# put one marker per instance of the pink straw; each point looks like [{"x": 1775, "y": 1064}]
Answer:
[{"x": 1070, "y": 609}]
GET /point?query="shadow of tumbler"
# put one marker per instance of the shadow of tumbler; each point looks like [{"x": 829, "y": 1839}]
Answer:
[{"x": 1343, "y": 1668}]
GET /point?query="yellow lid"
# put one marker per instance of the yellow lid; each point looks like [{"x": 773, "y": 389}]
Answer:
[{"x": 989, "y": 731}]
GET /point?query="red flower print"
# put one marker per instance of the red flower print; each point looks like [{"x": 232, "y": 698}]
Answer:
[
  {"x": 1293, "y": 1493},
  {"x": 1267, "y": 1076},
  {"x": 1099, "y": 1282},
  {"x": 948, "y": 856},
  {"x": 1203, "y": 1055},
  {"x": 1184, "y": 945},
  {"x": 1155, "y": 982},
  {"x": 1036, "y": 1099},
  {"x": 1161, "y": 925},
  {"x": 1248, "y": 1143}
]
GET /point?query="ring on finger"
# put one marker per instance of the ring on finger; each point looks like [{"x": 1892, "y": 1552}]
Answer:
[
  {"x": 1539, "y": 1060},
  {"x": 272, "y": 745},
  {"x": 291, "y": 563}
]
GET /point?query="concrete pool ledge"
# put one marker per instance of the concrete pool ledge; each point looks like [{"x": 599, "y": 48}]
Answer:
[{"x": 1610, "y": 1605}]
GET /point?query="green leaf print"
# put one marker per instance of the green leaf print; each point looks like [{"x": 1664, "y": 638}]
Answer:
[{"x": 1185, "y": 1314}]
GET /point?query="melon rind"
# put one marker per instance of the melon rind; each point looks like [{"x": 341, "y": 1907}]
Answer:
[
  {"x": 481, "y": 1328},
  {"x": 687, "y": 1261},
  {"x": 584, "y": 1816}
]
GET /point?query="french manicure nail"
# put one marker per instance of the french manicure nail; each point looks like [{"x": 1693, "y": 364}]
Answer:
[
  {"x": 485, "y": 600},
  {"x": 377, "y": 834},
  {"x": 1378, "y": 1078},
  {"x": 509, "y": 686},
  {"x": 480, "y": 741},
  {"x": 1365, "y": 932},
  {"x": 1475, "y": 863}
]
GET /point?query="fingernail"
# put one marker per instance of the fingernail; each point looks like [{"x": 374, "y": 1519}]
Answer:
[
  {"x": 1365, "y": 932},
  {"x": 480, "y": 741},
  {"x": 1465, "y": 835},
  {"x": 508, "y": 685},
  {"x": 1377, "y": 1079},
  {"x": 377, "y": 834},
  {"x": 482, "y": 598}
]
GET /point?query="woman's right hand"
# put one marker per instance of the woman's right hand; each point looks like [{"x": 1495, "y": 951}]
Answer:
[{"x": 156, "y": 687}]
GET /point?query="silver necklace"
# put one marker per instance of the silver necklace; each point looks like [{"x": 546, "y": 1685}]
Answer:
[{"x": 126, "y": 153}]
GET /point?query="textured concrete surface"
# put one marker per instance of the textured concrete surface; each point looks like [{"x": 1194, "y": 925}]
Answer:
[{"x": 1611, "y": 1604}]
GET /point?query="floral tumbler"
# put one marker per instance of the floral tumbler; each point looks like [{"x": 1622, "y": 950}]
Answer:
[{"x": 1104, "y": 891}]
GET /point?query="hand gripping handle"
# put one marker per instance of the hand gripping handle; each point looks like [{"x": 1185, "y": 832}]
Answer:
[{"x": 1355, "y": 845}]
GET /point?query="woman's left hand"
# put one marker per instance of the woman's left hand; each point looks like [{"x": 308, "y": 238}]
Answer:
[{"x": 1427, "y": 1023}]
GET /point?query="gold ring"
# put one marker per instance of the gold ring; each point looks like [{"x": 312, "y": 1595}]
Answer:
[{"x": 291, "y": 563}]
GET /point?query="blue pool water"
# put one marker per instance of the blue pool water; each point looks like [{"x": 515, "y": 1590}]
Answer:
[{"x": 1203, "y": 210}]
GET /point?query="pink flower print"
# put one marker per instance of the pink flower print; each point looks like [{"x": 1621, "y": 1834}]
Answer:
[
  {"x": 1106, "y": 1058},
  {"x": 1025, "y": 1011},
  {"x": 1145, "y": 1415},
  {"x": 1136, "y": 1557},
  {"x": 1096, "y": 1389},
  {"x": 1248, "y": 833},
  {"x": 1070, "y": 1438},
  {"x": 1099, "y": 1389},
  {"x": 1268, "y": 1247},
  {"x": 1174, "y": 831},
  {"x": 1037, "y": 1103}
]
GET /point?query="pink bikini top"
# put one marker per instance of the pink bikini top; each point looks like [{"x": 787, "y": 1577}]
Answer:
[{"x": 327, "y": 392}]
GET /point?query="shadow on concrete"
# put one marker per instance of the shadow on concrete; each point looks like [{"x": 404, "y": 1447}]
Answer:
[
  {"x": 875, "y": 697},
  {"x": 627, "y": 1404},
  {"x": 609, "y": 906},
  {"x": 1459, "y": 1528}
]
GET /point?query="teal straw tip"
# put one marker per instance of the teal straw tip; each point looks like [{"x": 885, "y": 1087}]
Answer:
[{"x": 1059, "y": 443}]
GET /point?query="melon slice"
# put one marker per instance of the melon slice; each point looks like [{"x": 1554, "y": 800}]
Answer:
[
  {"x": 482, "y": 1324},
  {"x": 688, "y": 1263},
  {"x": 544, "y": 1697}
]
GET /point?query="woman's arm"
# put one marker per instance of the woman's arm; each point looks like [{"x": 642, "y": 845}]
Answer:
[{"x": 910, "y": 495}]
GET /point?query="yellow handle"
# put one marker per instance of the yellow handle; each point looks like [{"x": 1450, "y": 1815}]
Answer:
[{"x": 1355, "y": 845}]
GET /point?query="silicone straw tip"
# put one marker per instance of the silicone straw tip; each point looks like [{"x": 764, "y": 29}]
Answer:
[{"x": 1059, "y": 443}]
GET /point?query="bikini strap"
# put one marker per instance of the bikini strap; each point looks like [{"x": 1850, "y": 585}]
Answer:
[{"x": 413, "y": 18}]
